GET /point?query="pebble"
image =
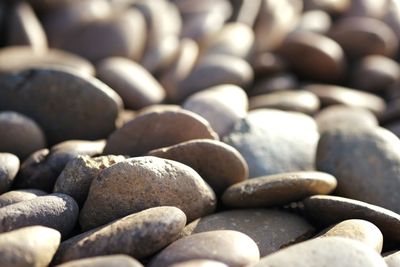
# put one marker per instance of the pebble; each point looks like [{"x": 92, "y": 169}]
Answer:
[
  {"x": 145, "y": 182},
  {"x": 9, "y": 166},
  {"x": 62, "y": 102},
  {"x": 327, "y": 252},
  {"x": 199, "y": 263},
  {"x": 138, "y": 235},
  {"x": 20, "y": 135},
  {"x": 266, "y": 140},
  {"x": 359, "y": 230},
  {"x": 58, "y": 211},
  {"x": 104, "y": 261},
  {"x": 16, "y": 196},
  {"x": 366, "y": 163},
  {"x": 366, "y": 8},
  {"x": 273, "y": 83},
  {"x": 393, "y": 260},
  {"x": 270, "y": 229},
  {"x": 230, "y": 247},
  {"x": 161, "y": 129},
  {"x": 29, "y": 246},
  {"x": 268, "y": 63},
  {"x": 278, "y": 190},
  {"x": 78, "y": 174},
  {"x": 317, "y": 21},
  {"x": 328, "y": 210},
  {"x": 222, "y": 106}
]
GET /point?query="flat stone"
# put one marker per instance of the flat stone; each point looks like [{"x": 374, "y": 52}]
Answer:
[
  {"x": 359, "y": 230},
  {"x": 393, "y": 260},
  {"x": 138, "y": 235},
  {"x": 62, "y": 102},
  {"x": 327, "y": 252},
  {"x": 16, "y": 196},
  {"x": 58, "y": 211},
  {"x": 366, "y": 163},
  {"x": 29, "y": 246},
  {"x": 230, "y": 247},
  {"x": 278, "y": 189},
  {"x": 161, "y": 129},
  {"x": 145, "y": 182},
  {"x": 199, "y": 263},
  {"x": 9, "y": 166},
  {"x": 327, "y": 210},
  {"x": 266, "y": 140},
  {"x": 219, "y": 164},
  {"x": 104, "y": 261},
  {"x": 270, "y": 229},
  {"x": 78, "y": 174}
]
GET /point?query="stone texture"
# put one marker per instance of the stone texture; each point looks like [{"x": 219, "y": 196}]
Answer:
[
  {"x": 29, "y": 246},
  {"x": 267, "y": 141},
  {"x": 262, "y": 225},
  {"x": 219, "y": 164},
  {"x": 144, "y": 182},
  {"x": 104, "y": 261},
  {"x": 138, "y": 235},
  {"x": 161, "y": 128},
  {"x": 230, "y": 247},
  {"x": 9, "y": 166},
  {"x": 278, "y": 189},
  {"x": 16, "y": 196}
]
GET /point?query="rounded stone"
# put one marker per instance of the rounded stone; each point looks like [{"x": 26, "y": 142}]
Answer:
[
  {"x": 317, "y": 21},
  {"x": 138, "y": 235},
  {"x": 262, "y": 225},
  {"x": 219, "y": 164},
  {"x": 29, "y": 246},
  {"x": 161, "y": 129},
  {"x": 16, "y": 196},
  {"x": 58, "y": 211},
  {"x": 274, "y": 83},
  {"x": 327, "y": 252},
  {"x": 278, "y": 190},
  {"x": 366, "y": 8},
  {"x": 20, "y": 135},
  {"x": 230, "y": 247},
  {"x": 327, "y": 210},
  {"x": 392, "y": 260},
  {"x": 359, "y": 230},
  {"x": 9, "y": 166},
  {"x": 199, "y": 263},
  {"x": 266, "y": 140},
  {"x": 62, "y": 102},
  {"x": 104, "y": 261},
  {"x": 144, "y": 182}
]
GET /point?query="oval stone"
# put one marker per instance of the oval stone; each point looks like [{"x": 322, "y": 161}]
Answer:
[
  {"x": 16, "y": 196},
  {"x": 9, "y": 166},
  {"x": 104, "y": 261},
  {"x": 144, "y": 182}
]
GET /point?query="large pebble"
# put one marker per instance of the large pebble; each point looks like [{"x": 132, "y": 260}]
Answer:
[
  {"x": 144, "y": 182},
  {"x": 138, "y": 235},
  {"x": 104, "y": 261},
  {"x": 158, "y": 129},
  {"x": 268, "y": 143},
  {"x": 16, "y": 196},
  {"x": 29, "y": 246},
  {"x": 9, "y": 166},
  {"x": 262, "y": 225},
  {"x": 230, "y": 247},
  {"x": 278, "y": 189},
  {"x": 58, "y": 211},
  {"x": 66, "y": 104}
]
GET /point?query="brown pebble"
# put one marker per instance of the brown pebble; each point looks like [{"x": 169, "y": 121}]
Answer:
[
  {"x": 9, "y": 166},
  {"x": 273, "y": 83},
  {"x": 16, "y": 196}
]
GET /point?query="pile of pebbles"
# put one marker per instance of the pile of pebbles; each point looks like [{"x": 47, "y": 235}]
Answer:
[{"x": 207, "y": 133}]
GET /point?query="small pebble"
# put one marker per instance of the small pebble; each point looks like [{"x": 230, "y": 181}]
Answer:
[
  {"x": 9, "y": 166},
  {"x": 16, "y": 196}
]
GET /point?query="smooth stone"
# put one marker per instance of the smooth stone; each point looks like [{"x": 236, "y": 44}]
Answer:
[
  {"x": 262, "y": 225},
  {"x": 161, "y": 129},
  {"x": 219, "y": 164},
  {"x": 245, "y": 11},
  {"x": 62, "y": 102},
  {"x": 269, "y": 146},
  {"x": 274, "y": 83},
  {"x": 138, "y": 235},
  {"x": 136, "y": 86},
  {"x": 42, "y": 168},
  {"x": 20, "y": 134},
  {"x": 392, "y": 17},
  {"x": 104, "y": 261},
  {"x": 340, "y": 116},
  {"x": 330, "y": 6},
  {"x": 145, "y": 182},
  {"x": 327, "y": 252},
  {"x": 317, "y": 21},
  {"x": 268, "y": 63},
  {"x": 391, "y": 113},
  {"x": 360, "y": 230},
  {"x": 78, "y": 174},
  {"x": 58, "y": 211},
  {"x": 50, "y": 5},
  {"x": 334, "y": 95},
  {"x": 278, "y": 190},
  {"x": 16, "y": 196},
  {"x": 199, "y": 263},
  {"x": 328, "y": 210},
  {"x": 9, "y": 166},
  {"x": 367, "y": 8},
  {"x": 230, "y": 247},
  {"x": 219, "y": 69},
  {"x": 289, "y": 100},
  {"x": 314, "y": 56},
  {"x": 393, "y": 260},
  {"x": 373, "y": 177},
  {"x": 29, "y": 246},
  {"x": 222, "y": 106}
]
